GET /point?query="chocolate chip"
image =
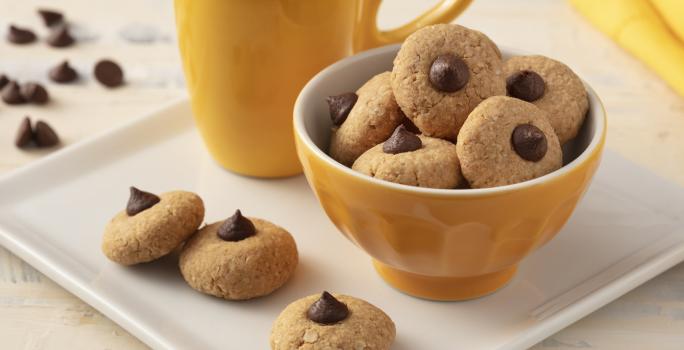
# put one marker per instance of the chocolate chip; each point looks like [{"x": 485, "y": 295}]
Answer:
[
  {"x": 340, "y": 106},
  {"x": 63, "y": 73},
  {"x": 51, "y": 17},
  {"x": 3, "y": 81},
  {"x": 140, "y": 201},
  {"x": 529, "y": 142},
  {"x": 408, "y": 124},
  {"x": 11, "y": 94},
  {"x": 236, "y": 228},
  {"x": 24, "y": 134},
  {"x": 44, "y": 135},
  {"x": 19, "y": 35},
  {"x": 402, "y": 141},
  {"x": 449, "y": 73},
  {"x": 35, "y": 93},
  {"x": 60, "y": 37},
  {"x": 525, "y": 85},
  {"x": 108, "y": 73},
  {"x": 327, "y": 310}
]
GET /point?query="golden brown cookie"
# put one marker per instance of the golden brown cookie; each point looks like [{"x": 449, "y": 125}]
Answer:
[
  {"x": 505, "y": 141},
  {"x": 551, "y": 86},
  {"x": 327, "y": 322},
  {"x": 240, "y": 258},
  {"x": 441, "y": 73},
  {"x": 151, "y": 226}
]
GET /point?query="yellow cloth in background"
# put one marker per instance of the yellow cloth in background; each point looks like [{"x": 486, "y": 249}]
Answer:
[{"x": 652, "y": 30}]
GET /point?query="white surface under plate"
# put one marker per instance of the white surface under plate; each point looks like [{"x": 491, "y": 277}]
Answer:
[{"x": 627, "y": 229}]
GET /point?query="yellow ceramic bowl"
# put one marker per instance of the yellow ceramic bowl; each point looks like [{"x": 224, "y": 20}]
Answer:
[{"x": 434, "y": 243}]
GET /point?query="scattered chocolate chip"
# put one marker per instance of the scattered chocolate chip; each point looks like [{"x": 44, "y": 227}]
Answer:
[
  {"x": 236, "y": 228},
  {"x": 24, "y": 134},
  {"x": 525, "y": 85},
  {"x": 63, "y": 73},
  {"x": 340, "y": 106},
  {"x": 44, "y": 135},
  {"x": 51, "y": 17},
  {"x": 449, "y": 73},
  {"x": 139, "y": 201},
  {"x": 327, "y": 310},
  {"x": 3, "y": 81},
  {"x": 35, "y": 93},
  {"x": 11, "y": 94},
  {"x": 529, "y": 142},
  {"x": 60, "y": 37},
  {"x": 19, "y": 35},
  {"x": 108, "y": 73},
  {"x": 408, "y": 124},
  {"x": 402, "y": 141}
]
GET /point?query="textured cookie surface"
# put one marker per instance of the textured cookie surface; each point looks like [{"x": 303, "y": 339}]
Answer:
[
  {"x": 245, "y": 269},
  {"x": 437, "y": 113},
  {"x": 485, "y": 148},
  {"x": 434, "y": 165},
  {"x": 366, "y": 328},
  {"x": 155, "y": 231},
  {"x": 371, "y": 121},
  {"x": 564, "y": 99}
]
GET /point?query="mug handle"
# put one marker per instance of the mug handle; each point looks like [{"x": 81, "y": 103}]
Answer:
[{"x": 368, "y": 35}]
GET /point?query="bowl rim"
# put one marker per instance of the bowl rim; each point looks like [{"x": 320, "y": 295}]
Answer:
[{"x": 598, "y": 138}]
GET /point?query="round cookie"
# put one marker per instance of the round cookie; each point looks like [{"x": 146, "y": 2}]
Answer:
[
  {"x": 443, "y": 52},
  {"x": 151, "y": 226},
  {"x": 561, "y": 93},
  {"x": 240, "y": 258},
  {"x": 362, "y": 327},
  {"x": 505, "y": 141},
  {"x": 431, "y": 163},
  {"x": 372, "y": 119}
]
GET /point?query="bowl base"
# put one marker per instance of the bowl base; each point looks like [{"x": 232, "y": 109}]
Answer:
[{"x": 444, "y": 288}]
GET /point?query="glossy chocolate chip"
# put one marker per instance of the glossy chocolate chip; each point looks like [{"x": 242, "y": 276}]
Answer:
[
  {"x": 525, "y": 85},
  {"x": 60, "y": 36},
  {"x": 3, "y": 81},
  {"x": 11, "y": 94},
  {"x": 236, "y": 228},
  {"x": 44, "y": 135},
  {"x": 529, "y": 142},
  {"x": 63, "y": 73},
  {"x": 35, "y": 93},
  {"x": 402, "y": 141},
  {"x": 340, "y": 106},
  {"x": 327, "y": 310},
  {"x": 24, "y": 134},
  {"x": 51, "y": 17},
  {"x": 140, "y": 201},
  {"x": 449, "y": 73},
  {"x": 408, "y": 124},
  {"x": 17, "y": 35},
  {"x": 108, "y": 73}
]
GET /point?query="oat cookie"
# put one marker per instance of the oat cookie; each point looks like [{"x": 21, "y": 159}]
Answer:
[
  {"x": 505, "y": 141},
  {"x": 441, "y": 73},
  {"x": 332, "y": 322},
  {"x": 151, "y": 226},
  {"x": 240, "y": 258},
  {"x": 414, "y": 160},
  {"x": 553, "y": 87}
]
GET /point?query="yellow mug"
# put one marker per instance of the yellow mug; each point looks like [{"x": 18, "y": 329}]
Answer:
[{"x": 245, "y": 61}]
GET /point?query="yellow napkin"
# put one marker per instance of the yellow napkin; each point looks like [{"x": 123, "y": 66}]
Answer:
[{"x": 652, "y": 30}]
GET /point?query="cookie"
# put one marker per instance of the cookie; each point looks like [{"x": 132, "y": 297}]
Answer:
[
  {"x": 371, "y": 120},
  {"x": 332, "y": 322},
  {"x": 553, "y": 87},
  {"x": 414, "y": 160},
  {"x": 240, "y": 258},
  {"x": 505, "y": 141},
  {"x": 151, "y": 226},
  {"x": 441, "y": 73}
]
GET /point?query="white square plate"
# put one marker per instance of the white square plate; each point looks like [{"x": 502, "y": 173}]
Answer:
[{"x": 627, "y": 229}]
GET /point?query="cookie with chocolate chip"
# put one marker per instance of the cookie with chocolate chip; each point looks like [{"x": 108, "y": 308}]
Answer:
[
  {"x": 372, "y": 116},
  {"x": 239, "y": 258},
  {"x": 553, "y": 87},
  {"x": 505, "y": 141},
  {"x": 441, "y": 73},
  {"x": 415, "y": 160},
  {"x": 151, "y": 226},
  {"x": 332, "y": 321}
]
